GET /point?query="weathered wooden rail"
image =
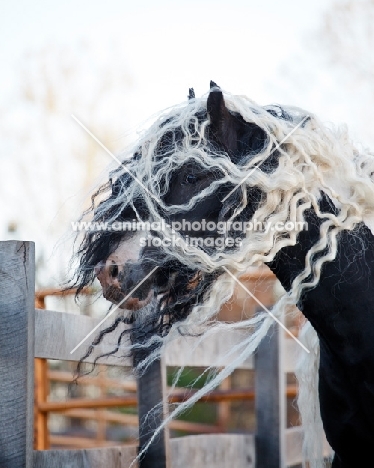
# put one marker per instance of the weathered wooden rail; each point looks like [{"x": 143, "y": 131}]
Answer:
[{"x": 26, "y": 333}]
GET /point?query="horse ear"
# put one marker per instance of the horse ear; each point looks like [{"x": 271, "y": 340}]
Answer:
[
  {"x": 191, "y": 94},
  {"x": 222, "y": 123}
]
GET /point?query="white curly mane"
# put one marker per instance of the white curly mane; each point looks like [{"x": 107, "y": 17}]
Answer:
[{"x": 313, "y": 158}]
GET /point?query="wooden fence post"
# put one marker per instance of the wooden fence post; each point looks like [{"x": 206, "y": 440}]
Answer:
[
  {"x": 270, "y": 402},
  {"x": 17, "y": 289},
  {"x": 151, "y": 393},
  {"x": 41, "y": 388}
]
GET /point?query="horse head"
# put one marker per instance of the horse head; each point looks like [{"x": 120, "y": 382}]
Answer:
[{"x": 187, "y": 165}]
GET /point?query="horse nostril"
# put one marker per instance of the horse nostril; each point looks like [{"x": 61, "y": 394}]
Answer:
[{"x": 113, "y": 271}]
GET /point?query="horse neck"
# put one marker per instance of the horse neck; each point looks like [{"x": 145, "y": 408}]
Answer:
[
  {"x": 290, "y": 261},
  {"x": 340, "y": 305}
]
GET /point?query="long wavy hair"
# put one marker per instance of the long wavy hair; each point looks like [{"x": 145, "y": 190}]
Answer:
[{"x": 311, "y": 160}]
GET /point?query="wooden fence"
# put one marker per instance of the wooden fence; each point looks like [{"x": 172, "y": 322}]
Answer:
[
  {"x": 95, "y": 411},
  {"x": 26, "y": 332}
]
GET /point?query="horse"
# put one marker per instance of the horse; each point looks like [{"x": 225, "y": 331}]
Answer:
[{"x": 197, "y": 182}]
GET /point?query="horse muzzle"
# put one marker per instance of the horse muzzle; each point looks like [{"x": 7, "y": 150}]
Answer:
[{"x": 123, "y": 283}]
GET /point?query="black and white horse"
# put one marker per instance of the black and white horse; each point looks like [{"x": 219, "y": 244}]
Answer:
[{"x": 219, "y": 185}]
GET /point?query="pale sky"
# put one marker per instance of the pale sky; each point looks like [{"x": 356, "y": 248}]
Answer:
[{"x": 170, "y": 46}]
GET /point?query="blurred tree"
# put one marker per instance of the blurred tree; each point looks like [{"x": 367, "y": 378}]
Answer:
[
  {"x": 49, "y": 162},
  {"x": 333, "y": 73},
  {"x": 347, "y": 37}
]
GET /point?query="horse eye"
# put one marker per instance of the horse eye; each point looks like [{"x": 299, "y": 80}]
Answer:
[
  {"x": 190, "y": 179},
  {"x": 113, "y": 270}
]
